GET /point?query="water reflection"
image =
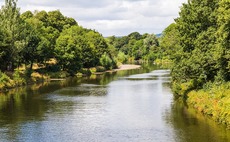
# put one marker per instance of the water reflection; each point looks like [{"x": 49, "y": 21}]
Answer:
[
  {"x": 135, "y": 105},
  {"x": 192, "y": 126}
]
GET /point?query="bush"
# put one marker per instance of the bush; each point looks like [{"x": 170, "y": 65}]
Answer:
[
  {"x": 37, "y": 77},
  {"x": 61, "y": 74},
  {"x": 18, "y": 79},
  {"x": 100, "y": 69},
  {"x": 121, "y": 57},
  {"x": 182, "y": 89},
  {"x": 85, "y": 71},
  {"x": 106, "y": 61},
  {"x": 93, "y": 70},
  {"x": 214, "y": 102},
  {"x": 5, "y": 81}
]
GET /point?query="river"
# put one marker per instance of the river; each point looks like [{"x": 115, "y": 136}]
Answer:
[{"x": 125, "y": 106}]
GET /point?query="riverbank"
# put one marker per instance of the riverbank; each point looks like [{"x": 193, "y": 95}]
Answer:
[
  {"x": 213, "y": 102},
  {"x": 127, "y": 67},
  {"x": 18, "y": 79}
]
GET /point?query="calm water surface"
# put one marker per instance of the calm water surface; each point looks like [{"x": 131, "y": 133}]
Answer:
[{"x": 127, "y": 106}]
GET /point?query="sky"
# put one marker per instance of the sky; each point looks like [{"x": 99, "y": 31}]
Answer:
[{"x": 112, "y": 17}]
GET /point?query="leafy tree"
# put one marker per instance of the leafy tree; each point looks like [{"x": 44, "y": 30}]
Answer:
[
  {"x": 135, "y": 35},
  {"x": 137, "y": 49},
  {"x": 69, "y": 49},
  {"x": 27, "y": 15},
  {"x": 121, "y": 57},
  {"x": 10, "y": 24},
  {"x": 42, "y": 16},
  {"x": 106, "y": 61},
  {"x": 201, "y": 54},
  {"x": 56, "y": 20},
  {"x": 97, "y": 46},
  {"x": 30, "y": 51},
  {"x": 169, "y": 42},
  {"x": 46, "y": 47},
  {"x": 223, "y": 39},
  {"x": 151, "y": 45}
]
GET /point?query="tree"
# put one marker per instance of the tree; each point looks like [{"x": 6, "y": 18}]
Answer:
[
  {"x": 106, "y": 61},
  {"x": 135, "y": 35},
  {"x": 97, "y": 46},
  {"x": 26, "y": 15},
  {"x": 42, "y": 16},
  {"x": 198, "y": 58},
  {"x": 56, "y": 20},
  {"x": 223, "y": 39},
  {"x": 169, "y": 42},
  {"x": 32, "y": 33},
  {"x": 69, "y": 48},
  {"x": 121, "y": 57},
  {"x": 11, "y": 28},
  {"x": 151, "y": 45}
]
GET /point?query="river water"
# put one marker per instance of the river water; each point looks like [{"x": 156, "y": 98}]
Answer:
[{"x": 126, "y": 106}]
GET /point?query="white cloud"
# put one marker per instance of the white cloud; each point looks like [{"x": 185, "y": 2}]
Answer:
[{"x": 117, "y": 17}]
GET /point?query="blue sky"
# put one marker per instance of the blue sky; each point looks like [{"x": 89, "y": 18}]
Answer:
[{"x": 113, "y": 17}]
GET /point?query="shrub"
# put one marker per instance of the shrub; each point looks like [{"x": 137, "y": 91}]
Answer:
[
  {"x": 36, "y": 77},
  {"x": 93, "y": 70},
  {"x": 182, "y": 89},
  {"x": 106, "y": 61},
  {"x": 100, "y": 69},
  {"x": 213, "y": 101},
  {"x": 121, "y": 57},
  {"x": 18, "y": 79},
  {"x": 60, "y": 74},
  {"x": 85, "y": 71},
  {"x": 5, "y": 81}
]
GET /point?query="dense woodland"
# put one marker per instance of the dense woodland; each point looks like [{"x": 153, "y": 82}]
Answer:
[
  {"x": 135, "y": 47},
  {"x": 37, "y": 37},
  {"x": 58, "y": 47},
  {"x": 197, "y": 46},
  {"x": 198, "y": 43}
]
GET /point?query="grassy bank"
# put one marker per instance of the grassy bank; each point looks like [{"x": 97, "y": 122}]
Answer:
[
  {"x": 20, "y": 77},
  {"x": 212, "y": 100}
]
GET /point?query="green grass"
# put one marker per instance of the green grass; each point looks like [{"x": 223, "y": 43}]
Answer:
[{"x": 213, "y": 101}]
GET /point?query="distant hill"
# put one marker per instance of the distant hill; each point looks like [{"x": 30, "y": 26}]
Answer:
[{"x": 159, "y": 35}]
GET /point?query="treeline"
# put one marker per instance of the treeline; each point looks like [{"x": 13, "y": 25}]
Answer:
[
  {"x": 198, "y": 43},
  {"x": 37, "y": 37},
  {"x": 135, "y": 47},
  {"x": 44, "y": 44}
]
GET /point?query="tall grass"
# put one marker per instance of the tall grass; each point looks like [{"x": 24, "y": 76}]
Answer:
[{"x": 213, "y": 101}]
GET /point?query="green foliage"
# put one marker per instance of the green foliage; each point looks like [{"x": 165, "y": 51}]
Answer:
[
  {"x": 106, "y": 61},
  {"x": 213, "y": 101},
  {"x": 93, "y": 70},
  {"x": 10, "y": 30},
  {"x": 169, "y": 42},
  {"x": 96, "y": 47},
  {"x": 136, "y": 47},
  {"x": 194, "y": 47},
  {"x": 18, "y": 79},
  {"x": 85, "y": 71},
  {"x": 198, "y": 44},
  {"x": 59, "y": 74},
  {"x": 121, "y": 57},
  {"x": 100, "y": 69},
  {"x": 69, "y": 47},
  {"x": 5, "y": 81},
  {"x": 77, "y": 47}
]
